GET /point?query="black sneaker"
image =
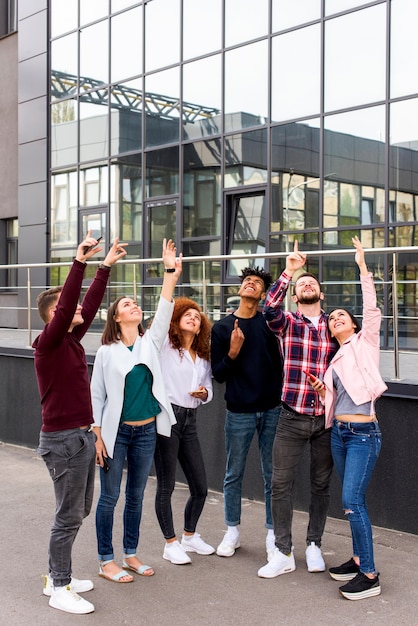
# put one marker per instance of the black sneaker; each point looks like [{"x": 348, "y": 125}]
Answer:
[
  {"x": 346, "y": 571},
  {"x": 361, "y": 587}
]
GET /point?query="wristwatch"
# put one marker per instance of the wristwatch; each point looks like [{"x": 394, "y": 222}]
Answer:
[{"x": 169, "y": 270}]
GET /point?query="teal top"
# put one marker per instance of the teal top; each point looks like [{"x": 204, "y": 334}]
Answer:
[{"x": 138, "y": 401}]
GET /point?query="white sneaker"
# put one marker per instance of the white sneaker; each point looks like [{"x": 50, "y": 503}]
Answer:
[
  {"x": 194, "y": 543},
  {"x": 270, "y": 548},
  {"x": 314, "y": 559},
  {"x": 228, "y": 545},
  {"x": 278, "y": 564},
  {"x": 175, "y": 553},
  {"x": 65, "y": 599},
  {"x": 79, "y": 586}
]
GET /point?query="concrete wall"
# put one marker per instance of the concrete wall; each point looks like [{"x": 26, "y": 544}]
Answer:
[
  {"x": 393, "y": 491},
  {"x": 8, "y": 126}
]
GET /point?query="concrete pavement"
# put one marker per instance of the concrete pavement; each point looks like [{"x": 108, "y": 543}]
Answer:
[{"x": 210, "y": 591}]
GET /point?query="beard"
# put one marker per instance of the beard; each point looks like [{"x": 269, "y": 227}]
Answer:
[{"x": 309, "y": 299}]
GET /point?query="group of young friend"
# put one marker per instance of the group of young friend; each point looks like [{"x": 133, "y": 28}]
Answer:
[{"x": 288, "y": 377}]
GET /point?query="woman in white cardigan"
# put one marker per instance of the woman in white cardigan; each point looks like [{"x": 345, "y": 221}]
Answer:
[{"x": 130, "y": 406}]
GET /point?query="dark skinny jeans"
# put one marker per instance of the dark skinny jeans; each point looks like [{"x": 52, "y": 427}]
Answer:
[{"x": 182, "y": 445}]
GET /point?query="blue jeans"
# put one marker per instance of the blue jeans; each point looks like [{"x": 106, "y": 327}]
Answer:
[
  {"x": 182, "y": 445},
  {"x": 136, "y": 444},
  {"x": 294, "y": 431},
  {"x": 239, "y": 432},
  {"x": 70, "y": 458},
  {"x": 355, "y": 448}
]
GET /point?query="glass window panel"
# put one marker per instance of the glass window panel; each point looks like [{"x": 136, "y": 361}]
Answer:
[
  {"x": 246, "y": 81},
  {"x": 126, "y": 62},
  {"x": 64, "y": 66},
  {"x": 126, "y": 117},
  {"x": 161, "y": 221},
  {"x": 64, "y": 16},
  {"x": 253, "y": 25},
  {"x": 355, "y": 53},
  {"x": 202, "y": 98},
  {"x": 91, "y": 11},
  {"x": 404, "y": 47},
  {"x": 286, "y": 14},
  {"x": 126, "y": 199},
  {"x": 202, "y": 192},
  {"x": 64, "y": 138},
  {"x": 300, "y": 202},
  {"x": 162, "y": 172},
  {"x": 246, "y": 158},
  {"x": 202, "y": 29},
  {"x": 94, "y": 127},
  {"x": 335, "y": 6},
  {"x": 162, "y": 33},
  {"x": 403, "y": 178},
  {"x": 94, "y": 52},
  {"x": 247, "y": 230},
  {"x": 93, "y": 186},
  {"x": 296, "y": 147},
  {"x": 354, "y": 146},
  {"x": 64, "y": 203},
  {"x": 162, "y": 102},
  {"x": 296, "y": 85}
]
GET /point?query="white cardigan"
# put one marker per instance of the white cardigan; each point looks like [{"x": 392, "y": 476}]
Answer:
[{"x": 114, "y": 361}]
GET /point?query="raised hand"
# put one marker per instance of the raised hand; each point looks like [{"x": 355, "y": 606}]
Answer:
[
  {"x": 295, "y": 260},
  {"x": 116, "y": 252},
  {"x": 236, "y": 341}
]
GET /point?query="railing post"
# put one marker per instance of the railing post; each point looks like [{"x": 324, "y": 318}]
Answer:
[
  {"x": 395, "y": 317},
  {"x": 29, "y": 307},
  {"x": 204, "y": 293}
]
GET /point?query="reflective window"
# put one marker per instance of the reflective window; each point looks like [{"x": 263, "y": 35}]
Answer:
[
  {"x": 245, "y": 21},
  {"x": 404, "y": 47},
  {"x": 64, "y": 66},
  {"x": 296, "y": 147},
  {"x": 64, "y": 138},
  {"x": 202, "y": 98},
  {"x": 161, "y": 220},
  {"x": 246, "y": 158},
  {"x": 162, "y": 102},
  {"x": 300, "y": 202},
  {"x": 93, "y": 186},
  {"x": 125, "y": 117},
  {"x": 162, "y": 172},
  {"x": 247, "y": 230},
  {"x": 118, "y": 5},
  {"x": 64, "y": 203},
  {"x": 126, "y": 199},
  {"x": 162, "y": 33},
  {"x": 202, "y": 192},
  {"x": 403, "y": 179},
  {"x": 91, "y": 11},
  {"x": 64, "y": 16},
  {"x": 246, "y": 81},
  {"x": 202, "y": 28},
  {"x": 94, "y": 127},
  {"x": 94, "y": 53},
  {"x": 126, "y": 62},
  {"x": 296, "y": 86},
  {"x": 286, "y": 14},
  {"x": 354, "y": 146},
  {"x": 355, "y": 56},
  {"x": 335, "y": 6}
]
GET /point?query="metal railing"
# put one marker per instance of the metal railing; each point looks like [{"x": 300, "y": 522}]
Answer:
[{"x": 205, "y": 284}]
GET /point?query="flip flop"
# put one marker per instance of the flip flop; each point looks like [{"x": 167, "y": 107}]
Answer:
[
  {"x": 141, "y": 569},
  {"x": 117, "y": 577}
]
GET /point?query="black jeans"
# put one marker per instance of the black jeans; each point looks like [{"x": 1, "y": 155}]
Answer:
[
  {"x": 294, "y": 430},
  {"x": 182, "y": 445}
]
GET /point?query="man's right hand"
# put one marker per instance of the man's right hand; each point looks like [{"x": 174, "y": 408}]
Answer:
[
  {"x": 236, "y": 341},
  {"x": 295, "y": 260}
]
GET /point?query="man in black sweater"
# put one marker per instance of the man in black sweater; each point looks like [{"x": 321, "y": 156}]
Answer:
[{"x": 245, "y": 356}]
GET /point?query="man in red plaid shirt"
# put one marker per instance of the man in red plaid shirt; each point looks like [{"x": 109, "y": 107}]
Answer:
[{"x": 307, "y": 348}]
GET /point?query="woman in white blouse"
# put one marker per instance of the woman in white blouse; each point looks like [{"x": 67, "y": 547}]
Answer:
[{"x": 185, "y": 364}]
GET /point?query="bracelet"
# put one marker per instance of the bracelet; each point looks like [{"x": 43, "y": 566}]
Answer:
[
  {"x": 102, "y": 266},
  {"x": 169, "y": 270}
]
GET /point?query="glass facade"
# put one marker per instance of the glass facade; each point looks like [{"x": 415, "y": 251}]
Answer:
[{"x": 236, "y": 131}]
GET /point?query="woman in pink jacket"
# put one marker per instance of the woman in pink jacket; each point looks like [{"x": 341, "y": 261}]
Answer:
[{"x": 352, "y": 384}]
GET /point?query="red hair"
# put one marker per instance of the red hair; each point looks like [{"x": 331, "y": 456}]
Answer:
[{"x": 201, "y": 342}]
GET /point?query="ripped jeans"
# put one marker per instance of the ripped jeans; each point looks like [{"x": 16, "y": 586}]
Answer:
[{"x": 355, "y": 449}]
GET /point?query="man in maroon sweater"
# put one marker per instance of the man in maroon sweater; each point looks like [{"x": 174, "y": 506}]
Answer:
[{"x": 66, "y": 441}]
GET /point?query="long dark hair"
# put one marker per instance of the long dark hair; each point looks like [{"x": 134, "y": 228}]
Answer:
[
  {"x": 111, "y": 332},
  {"x": 354, "y": 319}
]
